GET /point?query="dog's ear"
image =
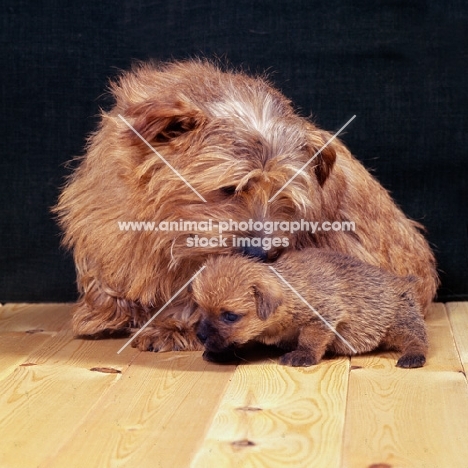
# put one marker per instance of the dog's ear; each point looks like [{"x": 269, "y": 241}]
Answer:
[
  {"x": 324, "y": 156},
  {"x": 268, "y": 300},
  {"x": 162, "y": 120}
]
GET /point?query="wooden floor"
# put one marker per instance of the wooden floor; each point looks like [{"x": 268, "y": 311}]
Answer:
[{"x": 74, "y": 403}]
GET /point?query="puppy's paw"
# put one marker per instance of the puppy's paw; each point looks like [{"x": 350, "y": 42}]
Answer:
[
  {"x": 409, "y": 361},
  {"x": 167, "y": 338},
  {"x": 298, "y": 358}
]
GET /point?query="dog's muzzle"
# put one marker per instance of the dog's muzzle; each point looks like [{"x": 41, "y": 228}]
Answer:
[
  {"x": 255, "y": 252},
  {"x": 266, "y": 256}
]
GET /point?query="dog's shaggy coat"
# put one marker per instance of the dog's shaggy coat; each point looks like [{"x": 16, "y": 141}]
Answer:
[{"x": 237, "y": 141}]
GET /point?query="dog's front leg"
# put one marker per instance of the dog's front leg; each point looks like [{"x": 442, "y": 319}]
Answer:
[
  {"x": 311, "y": 346},
  {"x": 173, "y": 330}
]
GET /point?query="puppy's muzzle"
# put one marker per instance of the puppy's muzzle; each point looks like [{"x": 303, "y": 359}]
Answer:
[
  {"x": 202, "y": 337},
  {"x": 204, "y": 330},
  {"x": 215, "y": 350}
]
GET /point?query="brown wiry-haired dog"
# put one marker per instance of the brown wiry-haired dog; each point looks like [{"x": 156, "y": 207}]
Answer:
[
  {"x": 236, "y": 141},
  {"x": 320, "y": 301}
]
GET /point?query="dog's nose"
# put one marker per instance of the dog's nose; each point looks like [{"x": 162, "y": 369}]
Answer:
[{"x": 255, "y": 252}]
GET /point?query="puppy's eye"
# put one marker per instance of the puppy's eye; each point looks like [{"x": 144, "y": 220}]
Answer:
[
  {"x": 228, "y": 191},
  {"x": 230, "y": 317}
]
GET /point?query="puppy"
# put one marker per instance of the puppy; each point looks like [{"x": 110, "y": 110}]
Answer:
[
  {"x": 208, "y": 144},
  {"x": 313, "y": 301}
]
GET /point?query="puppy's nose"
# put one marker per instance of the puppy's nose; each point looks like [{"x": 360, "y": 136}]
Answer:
[
  {"x": 202, "y": 336},
  {"x": 202, "y": 331}
]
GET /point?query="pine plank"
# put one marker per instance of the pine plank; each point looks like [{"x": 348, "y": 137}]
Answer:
[
  {"x": 43, "y": 402},
  {"x": 274, "y": 415},
  {"x": 25, "y": 328},
  {"x": 458, "y": 315},
  {"x": 174, "y": 409},
  {"x": 409, "y": 417},
  {"x": 156, "y": 415},
  {"x": 16, "y": 347},
  {"x": 35, "y": 317}
]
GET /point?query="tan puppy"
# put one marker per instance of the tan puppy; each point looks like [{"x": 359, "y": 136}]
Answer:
[
  {"x": 237, "y": 142},
  {"x": 321, "y": 301}
]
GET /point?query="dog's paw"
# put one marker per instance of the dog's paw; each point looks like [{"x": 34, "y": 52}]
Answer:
[
  {"x": 167, "y": 338},
  {"x": 410, "y": 361},
  {"x": 298, "y": 358}
]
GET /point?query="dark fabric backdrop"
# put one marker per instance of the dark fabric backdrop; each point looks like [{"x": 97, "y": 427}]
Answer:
[{"x": 400, "y": 66}]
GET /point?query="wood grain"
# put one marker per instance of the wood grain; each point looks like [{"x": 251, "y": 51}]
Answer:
[
  {"x": 458, "y": 315},
  {"x": 35, "y": 317},
  {"x": 69, "y": 402},
  {"x": 157, "y": 414},
  {"x": 274, "y": 415},
  {"x": 42, "y": 403},
  {"x": 409, "y": 417},
  {"x": 15, "y": 348},
  {"x": 25, "y": 328}
]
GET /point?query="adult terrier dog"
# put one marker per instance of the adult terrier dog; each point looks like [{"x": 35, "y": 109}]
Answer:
[
  {"x": 320, "y": 301},
  {"x": 227, "y": 143}
]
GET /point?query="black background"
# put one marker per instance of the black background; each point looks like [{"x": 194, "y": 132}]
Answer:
[{"x": 400, "y": 66}]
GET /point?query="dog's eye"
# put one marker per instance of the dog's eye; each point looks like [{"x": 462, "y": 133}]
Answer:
[
  {"x": 230, "y": 317},
  {"x": 175, "y": 129},
  {"x": 229, "y": 190}
]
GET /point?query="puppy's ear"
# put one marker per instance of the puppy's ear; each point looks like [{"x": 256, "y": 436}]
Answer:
[
  {"x": 162, "y": 120},
  {"x": 325, "y": 159},
  {"x": 268, "y": 300}
]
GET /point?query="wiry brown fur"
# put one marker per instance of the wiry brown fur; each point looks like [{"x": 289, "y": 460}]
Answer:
[
  {"x": 240, "y": 300},
  {"x": 221, "y": 131}
]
